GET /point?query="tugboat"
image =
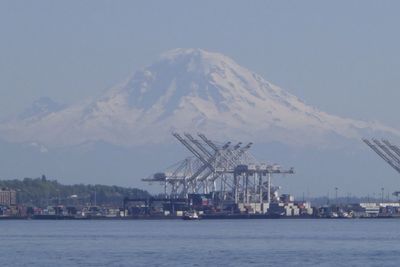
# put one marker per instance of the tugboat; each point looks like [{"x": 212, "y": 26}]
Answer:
[{"x": 191, "y": 215}]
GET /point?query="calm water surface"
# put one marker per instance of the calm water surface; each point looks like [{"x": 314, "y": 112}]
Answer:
[{"x": 201, "y": 243}]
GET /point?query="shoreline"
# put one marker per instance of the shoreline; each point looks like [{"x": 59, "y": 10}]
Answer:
[{"x": 160, "y": 218}]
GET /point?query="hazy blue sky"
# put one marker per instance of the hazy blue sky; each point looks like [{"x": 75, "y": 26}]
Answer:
[{"x": 341, "y": 56}]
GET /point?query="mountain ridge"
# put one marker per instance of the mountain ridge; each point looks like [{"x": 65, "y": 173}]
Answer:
[{"x": 189, "y": 90}]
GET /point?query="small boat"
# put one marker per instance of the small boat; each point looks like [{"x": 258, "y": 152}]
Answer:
[{"x": 191, "y": 215}]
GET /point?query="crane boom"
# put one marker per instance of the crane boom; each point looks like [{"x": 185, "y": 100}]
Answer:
[
  {"x": 382, "y": 155},
  {"x": 387, "y": 151},
  {"x": 199, "y": 146},
  {"x": 191, "y": 149},
  {"x": 392, "y": 147}
]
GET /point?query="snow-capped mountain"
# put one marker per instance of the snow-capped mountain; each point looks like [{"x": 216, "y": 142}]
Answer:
[{"x": 187, "y": 90}]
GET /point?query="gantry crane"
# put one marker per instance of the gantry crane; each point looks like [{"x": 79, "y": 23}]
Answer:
[
  {"x": 239, "y": 177},
  {"x": 389, "y": 152}
]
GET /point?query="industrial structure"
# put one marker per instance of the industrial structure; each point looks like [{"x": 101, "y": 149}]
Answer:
[
  {"x": 225, "y": 174},
  {"x": 389, "y": 152}
]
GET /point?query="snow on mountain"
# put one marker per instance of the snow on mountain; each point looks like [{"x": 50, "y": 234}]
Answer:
[{"x": 188, "y": 90}]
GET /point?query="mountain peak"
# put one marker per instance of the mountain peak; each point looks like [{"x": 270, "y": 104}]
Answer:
[
  {"x": 177, "y": 52},
  {"x": 190, "y": 52},
  {"x": 195, "y": 58},
  {"x": 183, "y": 74},
  {"x": 194, "y": 53}
]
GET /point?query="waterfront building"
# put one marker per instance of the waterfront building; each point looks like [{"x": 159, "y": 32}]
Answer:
[{"x": 8, "y": 197}]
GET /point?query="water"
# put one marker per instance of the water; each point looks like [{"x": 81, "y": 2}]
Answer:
[{"x": 201, "y": 243}]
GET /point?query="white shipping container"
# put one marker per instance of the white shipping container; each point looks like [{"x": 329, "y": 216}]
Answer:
[
  {"x": 288, "y": 211},
  {"x": 179, "y": 213}
]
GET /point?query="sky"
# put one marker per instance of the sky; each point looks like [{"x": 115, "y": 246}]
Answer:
[{"x": 340, "y": 56}]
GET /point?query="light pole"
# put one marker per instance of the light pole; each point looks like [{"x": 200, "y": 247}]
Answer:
[{"x": 383, "y": 191}]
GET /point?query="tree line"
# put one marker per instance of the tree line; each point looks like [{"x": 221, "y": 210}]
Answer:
[{"x": 42, "y": 192}]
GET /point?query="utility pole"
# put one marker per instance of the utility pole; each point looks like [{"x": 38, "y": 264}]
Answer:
[
  {"x": 58, "y": 197},
  {"x": 269, "y": 188},
  {"x": 336, "y": 194},
  {"x": 327, "y": 198},
  {"x": 95, "y": 196},
  {"x": 382, "y": 190}
]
